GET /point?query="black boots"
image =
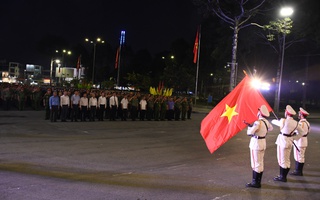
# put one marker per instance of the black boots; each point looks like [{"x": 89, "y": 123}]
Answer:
[
  {"x": 283, "y": 175},
  {"x": 298, "y": 169},
  {"x": 256, "y": 180}
]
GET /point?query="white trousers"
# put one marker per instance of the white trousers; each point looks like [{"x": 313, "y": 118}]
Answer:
[
  {"x": 257, "y": 157},
  {"x": 283, "y": 155},
  {"x": 299, "y": 156}
]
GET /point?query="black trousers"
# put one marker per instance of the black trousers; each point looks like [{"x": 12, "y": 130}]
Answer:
[
  {"x": 54, "y": 113},
  {"x": 64, "y": 112},
  {"x": 74, "y": 112},
  {"x": 113, "y": 113},
  {"x": 124, "y": 114},
  {"x": 133, "y": 112},
  {"x": 84, "y": 113},
  {"x": 93, "y": 112},
  {"x": 101, "y": 112}
]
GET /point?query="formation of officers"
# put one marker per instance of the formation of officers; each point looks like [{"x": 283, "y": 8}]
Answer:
[
  {"x": 99, "y": 105},
  {"x": 293, "y": 136}
]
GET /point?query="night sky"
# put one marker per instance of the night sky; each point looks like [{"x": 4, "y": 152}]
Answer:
[{"x": 151, "y": 25}]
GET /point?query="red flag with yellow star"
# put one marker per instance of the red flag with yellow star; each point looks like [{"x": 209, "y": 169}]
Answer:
[{"x": 226, "y": 119}]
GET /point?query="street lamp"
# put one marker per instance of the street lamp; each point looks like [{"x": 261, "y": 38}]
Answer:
[
  {"x": 51, "y": 68},
  {"x": 284, "y": 12},
  {"x": 63, "y": 52},
  {"x": 94, "y": 42}
]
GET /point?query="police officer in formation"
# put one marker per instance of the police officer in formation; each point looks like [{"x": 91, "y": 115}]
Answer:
[
  {"x": 301, "y": 142},
  {"x": 258, "y": 132},
  {"x": 288, "y": 129}
]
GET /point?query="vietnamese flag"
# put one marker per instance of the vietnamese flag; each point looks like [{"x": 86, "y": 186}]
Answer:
[
  {"x": 226, "y": 119},
  {"x": 195, "y": 47}
]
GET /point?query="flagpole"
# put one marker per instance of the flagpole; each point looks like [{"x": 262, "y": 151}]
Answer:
[
  {"x": 197, "y": 73},
  {"x": 119, "y": 60}
]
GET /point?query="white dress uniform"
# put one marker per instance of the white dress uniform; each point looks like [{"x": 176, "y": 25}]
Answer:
[
  {"x": 301, "y": 143},
  {"x": 258, "y": 132},
  {"x": 288, "y": 129}
]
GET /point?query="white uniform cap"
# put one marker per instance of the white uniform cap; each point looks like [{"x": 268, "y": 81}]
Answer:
[
  {"x": 303, "y": 111},
  {"x": 290, "y": 110},
  {"x": 264, "y": 111}
]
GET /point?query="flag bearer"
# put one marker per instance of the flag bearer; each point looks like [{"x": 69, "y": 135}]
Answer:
[{"x": 258, "y": 132}]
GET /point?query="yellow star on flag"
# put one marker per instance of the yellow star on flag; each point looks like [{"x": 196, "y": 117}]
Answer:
[{"x": 230, "y": 112}]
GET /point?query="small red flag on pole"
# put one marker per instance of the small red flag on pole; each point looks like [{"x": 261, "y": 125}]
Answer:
[
  {"x": 196, "y": 47},
  {"x": 79, "y": 63}
]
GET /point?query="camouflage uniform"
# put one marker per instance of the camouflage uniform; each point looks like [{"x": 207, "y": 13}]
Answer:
[
  {"x": 46, "y": 98},
  {"x": 184, "y": 108},
  {"x": 164, "y": 108},
  {"x": 150, "y": 108},
  {"x": 157, "y": 107},
  {"x": 177, "y": 109},
  {"x": 134, "y": 108},
  {"x": 21, "y": 99},
  {"x": 36, "y": 98}
]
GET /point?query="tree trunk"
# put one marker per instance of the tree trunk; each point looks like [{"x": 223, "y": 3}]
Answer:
[{"x": 234, "y": 64}]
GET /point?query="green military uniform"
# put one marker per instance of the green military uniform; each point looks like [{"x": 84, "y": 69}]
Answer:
[
  {"x": 177, "y": 109},
  {"x": 150, "y": 108},
  {"x": 46, "y": 98},
  {"x": 134, "y": 108},
  {"x": 21, "y": 99},
  {"x": 157, "y": 107},
  {"x": 189, "y": 110},
  {"x": 36, "y": 99},
  {"x": 163, "y": 110},
  {"x": 184, "y": 106}
]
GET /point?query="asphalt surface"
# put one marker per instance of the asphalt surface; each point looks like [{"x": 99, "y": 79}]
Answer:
[{"x": 140, "y": 160}]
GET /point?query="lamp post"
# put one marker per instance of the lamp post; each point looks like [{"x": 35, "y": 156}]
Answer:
[
  {"x": 284, "y": 12},
  {"x": 51, "y": 68},
  {"x": 94, "y": 42}
]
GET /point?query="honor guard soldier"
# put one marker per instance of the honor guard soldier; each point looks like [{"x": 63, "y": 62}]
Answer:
[
  {"x": 301, "y": 143},
  {"x": 258, "y": 131},
  {"x": 288, "y": 128}
]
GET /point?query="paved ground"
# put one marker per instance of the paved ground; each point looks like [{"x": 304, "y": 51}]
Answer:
[{"x": 137, "y": 160}]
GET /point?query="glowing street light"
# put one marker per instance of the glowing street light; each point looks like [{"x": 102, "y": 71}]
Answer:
[
  {"x": 64, "y": 52},
  {"x": 286, "y": 11},
  {"x": 94, "y": 42}
]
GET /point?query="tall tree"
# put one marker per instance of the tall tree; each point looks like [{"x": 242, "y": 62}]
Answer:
[{"x": 236, "y": 13}]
